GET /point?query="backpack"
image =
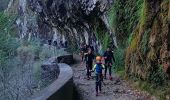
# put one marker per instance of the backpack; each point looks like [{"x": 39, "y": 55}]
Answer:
[{"x": 99, "y": 68}]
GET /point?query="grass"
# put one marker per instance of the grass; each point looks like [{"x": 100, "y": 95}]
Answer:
[
  {"x": 112, "y": 16},
  {"x": 119, "y": 64},
  {"x": 103, "y": 38},
  {"x": 143, "y": 13},
  {"x": 145, "y": 42},
  {"x": 121, "y": 73},
  {"x": 160, "y": 92},
  {"x": 36, "y": 69}
]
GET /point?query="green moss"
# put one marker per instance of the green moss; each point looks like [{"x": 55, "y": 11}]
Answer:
[
  {"x": 112, "y": 17},
  {"x": 143, "y": 13},
  {"x": 103, "y": 37},
  {"x": 134, "y": 44},
  {"x": 160, "y": 92},
  {"x": 144, "y": 31},
  {"x": 8, "y": 44},
  {"x": 145, "y": 41},
  {"x": 134, "y": 40}
]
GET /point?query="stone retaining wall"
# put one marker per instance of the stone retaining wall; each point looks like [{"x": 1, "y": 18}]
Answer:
[
  {"x": 68, "y": 59},
  {"x": 60, "y": 89}
]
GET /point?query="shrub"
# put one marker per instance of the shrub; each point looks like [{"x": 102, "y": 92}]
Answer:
[
  {"x": 25, "y": 53},
  {"x": 119, "y": 55},
  {"x": 158, "y": 77},
  {"x": 103, "y": 38},
  {"x": 145, "y": 42}
]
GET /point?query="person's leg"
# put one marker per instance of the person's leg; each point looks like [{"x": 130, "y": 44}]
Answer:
[
  {"x": 82, "y": 57},
  {"x": 97, "y": 84},
  {"x": 110, "y": 71},
  {"x": 90, "y": 68},
  {"x": 87, "y": 67},
  {"x": 100, "y": 86},
  {"x": 106, "y": 66},
  {"x": 96, "y": 87},
  {"x": 100, "y": 83}
]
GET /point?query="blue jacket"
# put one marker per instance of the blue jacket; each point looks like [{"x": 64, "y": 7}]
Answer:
[{"x": 98, "y": 67}]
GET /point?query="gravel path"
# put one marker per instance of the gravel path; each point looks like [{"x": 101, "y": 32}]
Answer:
[{"x": 117, "y": 89}]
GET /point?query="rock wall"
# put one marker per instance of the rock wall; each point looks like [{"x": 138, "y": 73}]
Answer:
[
  {"x": 26, "y": 21},
  {"x": 149, "y": 49},
  {"x": 74, "y": 21},
  {"x": 60, "y": 89}
]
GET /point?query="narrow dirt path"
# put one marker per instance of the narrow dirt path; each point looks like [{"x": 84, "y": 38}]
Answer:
[{"x": 117, "y": 89}]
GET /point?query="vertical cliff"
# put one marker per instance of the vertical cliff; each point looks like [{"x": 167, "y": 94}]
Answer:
[
  {"x": 75, "y": 21},
  {"x": 148, "y": 51}
]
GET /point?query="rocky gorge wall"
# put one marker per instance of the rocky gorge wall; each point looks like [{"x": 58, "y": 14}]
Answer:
[
  {"x": 149, "y": 48},
  {"x": 75, "y": 21}
]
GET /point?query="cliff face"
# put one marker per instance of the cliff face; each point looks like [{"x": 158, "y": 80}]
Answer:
[
  {"x": 74, "y": 21},
  {"x": 149, "y": 49}
]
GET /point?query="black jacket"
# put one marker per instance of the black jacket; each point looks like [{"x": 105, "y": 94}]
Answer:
[{"x": 109, "y": 56}]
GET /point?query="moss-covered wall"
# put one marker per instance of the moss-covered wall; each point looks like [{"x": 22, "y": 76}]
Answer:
[
  {"x": 150, "y": 41},
  {"x": 143, "y": 26}
]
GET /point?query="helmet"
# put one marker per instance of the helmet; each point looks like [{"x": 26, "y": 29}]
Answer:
[{"x": 98, "y": 58}]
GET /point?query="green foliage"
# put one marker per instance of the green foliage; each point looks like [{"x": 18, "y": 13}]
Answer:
[
  {"x": 105, "y": 42},
  {"x": 103, "y": 38},
  {"x": 8, "y": 44},
  {"x": 73, "y": 48},
  {"x": 145, "y": 41},
  {"x": 160, "y": 92},
  {"x": 142, "y": 13},
  {"x": 119, "y": 54},
  {"x": 158, "y": 77},
  {"x": 124, "y": 17},
  {"x": 6, "y": 22},
  {"x": 129, "y": 40},
  {"x": 116, "y": 18},
  {"x": 35, "y": 45},
  {"x": 129, "y": 19},
  {"x": 112, "y": 16},
  {"x": 25, "y": 53},
  {"x": 37, "y": 69}
]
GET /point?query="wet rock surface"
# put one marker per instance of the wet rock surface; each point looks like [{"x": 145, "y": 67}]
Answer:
[{"x": 117, "y": 89}]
